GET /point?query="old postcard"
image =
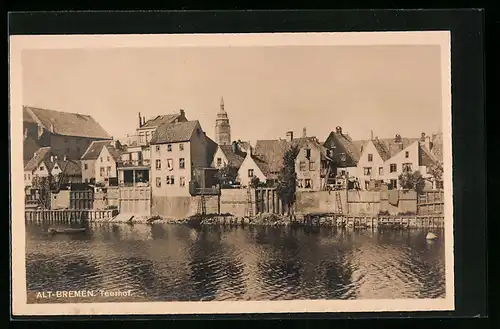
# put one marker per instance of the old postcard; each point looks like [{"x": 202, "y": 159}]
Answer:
[{"x": 231, "y": 173}]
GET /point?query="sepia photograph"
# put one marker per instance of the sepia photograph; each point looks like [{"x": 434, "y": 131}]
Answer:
[{"x": 231, "y": 173}]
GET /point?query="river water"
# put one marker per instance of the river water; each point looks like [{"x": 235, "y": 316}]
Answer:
[{"x": 180, "y": 263}]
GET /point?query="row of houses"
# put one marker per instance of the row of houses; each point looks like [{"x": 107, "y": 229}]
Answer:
[{"x": 173, "y": 154}]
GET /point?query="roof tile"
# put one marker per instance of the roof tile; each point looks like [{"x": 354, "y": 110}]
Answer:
[{"x": 66, "y": 123}]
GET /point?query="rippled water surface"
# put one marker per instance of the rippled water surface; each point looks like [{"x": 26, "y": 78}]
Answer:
[{"x": 179, "y": 263}]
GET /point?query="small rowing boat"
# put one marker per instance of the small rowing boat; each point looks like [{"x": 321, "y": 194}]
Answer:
[{"x": 66, "y": 230}]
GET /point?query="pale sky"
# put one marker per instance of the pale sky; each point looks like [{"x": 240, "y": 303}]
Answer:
[{"x": 267, "y": 90}]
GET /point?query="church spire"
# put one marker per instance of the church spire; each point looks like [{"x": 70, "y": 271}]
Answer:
[{"x": 222, "y": 103}]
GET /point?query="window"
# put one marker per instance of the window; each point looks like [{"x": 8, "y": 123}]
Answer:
[
  {"x": 141, "y": 138},
  {"x": 300, "y": 183},
  {"x": 170, "y": 180},
  {"x": 107, "y": 159},
  {"x": 25, "y": 176},
  {"x": 170, "y": 164},
  {"x": 108, "y": 171},
  {"x": 308, "y": 183},
  {"x": 394, "y": 183},
  {"x": 147, "y": 136},
  {"x": 342, "y": 172},
  {"x": 182, "y": 163},
  {"x": 370, "y": 157},
  {"x": 86, "y": 166},
  {"x": 308, "y": 153},
  {"x": 42, "y": 168},
  {"x": 393, "y": 167},
  {"x": 311, "y": 166},
  {"x": 158, "y": 182},
  {"x": 158, "y": 164},
  {"x": 440, "y": 185},
  {"x": 380, "y": 171},
  {"x": 169, "y": 147},
  {"x": 302, "y": 166},
  {"x": 407, "y": 167},
  {"x": 29, "y": 176},
  {"x": 182, "y": 181},
  {"x": 250, "y": 172},
  {"x": 367, "y": 185},
  {"x": 407, "y": 154},
  {"x": 157, "y": 148},
  {"x": 102, "y": 159},
  {"x": 102, "y": 172},
  {"x": 219, "y": 162},
  {"x": 181, "y": 147},
  {"x": 368, "y": 171}
]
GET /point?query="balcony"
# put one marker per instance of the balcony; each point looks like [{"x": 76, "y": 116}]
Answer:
[{"x": 135, "y": 163}]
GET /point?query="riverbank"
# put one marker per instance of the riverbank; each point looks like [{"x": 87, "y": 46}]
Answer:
[
  {"x": 265, "y": 219},
  {"x": 316, "y": 219}
]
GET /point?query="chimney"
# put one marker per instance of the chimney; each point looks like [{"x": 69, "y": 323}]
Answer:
[
  {"x": 371, "y": 134},
  {"x": 289, "y": 136},
  {"x": 51, "y": 158},
  {"x": 428, "y": 143},
  {"x": 304, "y": 132},
  {"x": 338, "y": 130},
  {"x": 182, "y": 112},
  {"x": 143, "y": 121},
  {"x": 397, "y": 138},
  {"x": 422, "y": 137},
  {"x": 235, "y": 147}
]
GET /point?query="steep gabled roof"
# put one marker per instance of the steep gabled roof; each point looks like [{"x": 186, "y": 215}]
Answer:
[
  {"x": 382, "y": 149},
  {"x": 66, "y": 123},
  {"x": 235, "y": 159},
  {"x": 94, "y": 149},
  {"x": 69, "y": 167},
  {"x": 347, "y": 146},
  {"x": 264, "y": 167},
  {"x": 175, "y": 132},
  {"x": 425, "y": 157},
  {"x": 42, "y": 154},
  {"x": 211, "y": 149},
  {"x": 115, "y": 152},
  {"x": 312, "y": 141},
  {"x": 160, "y": 120},
  {"x": 386, "y": 144},
  {"x": 272, "y": 152}
]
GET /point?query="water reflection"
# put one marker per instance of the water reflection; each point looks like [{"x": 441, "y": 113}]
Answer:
[{"x": 173, "y": 262}]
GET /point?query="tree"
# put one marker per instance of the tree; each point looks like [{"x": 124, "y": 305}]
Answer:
[
  {"x": 287, "y": 178},
  {"x": 227, "y": 175},
  {"x": 436, "y": 171},
  {"x": 412, "y": 181}
]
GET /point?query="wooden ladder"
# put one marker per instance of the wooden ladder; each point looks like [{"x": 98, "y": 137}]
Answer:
[
  {"x": 249, "y": 200},
  {"x": 338, "y": 199}
]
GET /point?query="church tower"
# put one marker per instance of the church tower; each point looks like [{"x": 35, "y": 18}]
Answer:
[{"x": 222, "y": 126}]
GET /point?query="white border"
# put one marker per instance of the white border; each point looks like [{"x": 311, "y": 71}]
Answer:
[{"x": 20, "y": 43}]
